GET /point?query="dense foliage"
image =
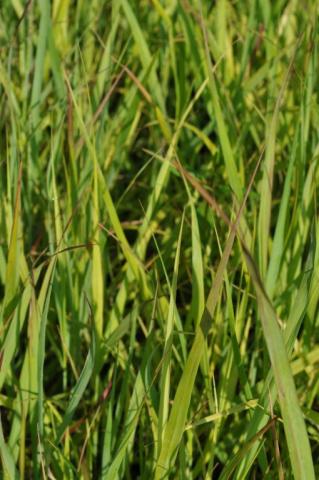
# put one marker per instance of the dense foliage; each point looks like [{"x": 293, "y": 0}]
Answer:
[{"x": 158, "y": 254}]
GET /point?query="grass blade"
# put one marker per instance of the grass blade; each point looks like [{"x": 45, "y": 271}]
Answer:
[{"x": 294, "y": 425}]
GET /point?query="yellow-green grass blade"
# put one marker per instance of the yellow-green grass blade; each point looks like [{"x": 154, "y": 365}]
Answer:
[
  {"x": 267, "y": 179},
  {"x": 277, "y": 250},
  {"x": 14, "y": 253},
  {"x": 136, "y": 404},
  {"x": 105, "y": 66},
  {"x": 8, "y": 465},
  {"x": 79, "y": 389},
  {"x": 202, "y": 136},
  {"x": 135, "y": 407},
  {"x": 133, "y": 261},
  {"x": 61, "y": 23},
  {"x": 45, "y": 25},
  {"x": 165, "y": 381},
  {"x": 164, "y": 305},
  {"x": 290, "y": 333},
  {"x": 44, "y": 303},
  {"x": 198, "y": 289},
  {"x": 56, "y": 66},
  {"x": 304, "y": 221},
  {"x": 10, "y": 343},
  {"x": 145, "y": 54},
  {"x": 294, "y": 425},
  {"x": 6, "y": 84},
  {"x": 231, "y": 167},
  {"x": 18, "y": 427},
  {"x": 97, "y": 261},
  {"x": 253, "y": 403}
]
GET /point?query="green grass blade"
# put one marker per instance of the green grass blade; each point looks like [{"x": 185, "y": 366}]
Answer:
[
  {"x": 294, "y": 425},
  {"x": 145, "y": 54},
  {"x": 8, "y": 464},
  {"x": 296, "y": 316},
  {"x": 165, "y": 382},
  {"x": 13, "y": 265},
  {"x": 78, "y": 390}
]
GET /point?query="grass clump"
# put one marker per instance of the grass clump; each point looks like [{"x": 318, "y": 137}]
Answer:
[{"x": 158, "y": 257}]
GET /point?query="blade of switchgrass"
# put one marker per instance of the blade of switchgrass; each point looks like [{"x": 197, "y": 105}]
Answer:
[
  {"x": 227, "y": 472},
  {"x": 97, "y": 270},
  {"x": 177, "y": 62},
  {"x": 34, "y": 362},
  {"x": 136, "y": 404},
  {"x": 14, "y": 253},
  {"x": 279, "y": 237},
  {"x": 198, "y": 287},
  {"x": 10, "y": 343},
  {"x": 165, "y": 382},
  {"x": 105, "y": 68},
  {"x": 121, "y": 398},
  {"x": 290, "y": 333},
  {"x": 9, "y": 91},
  {"x": 11, "y": 347},
  {"x": 9, "y": 470},
  {"x": 97, "y": 262},
  {"x": 59, "y": 243},
  {"x": 144, "y": 52},
  {"x": 231, "y": 168},
  {"x": 43, "y": 303},
  {"x": 164, "y": 305},
  {"x": 79, "y": 389},
  {"x": 44, "y": 28},
  {"x": 135, "y": 408},
  {"x": 250, "y": 404},
  {"x": 294, "y": 425},
  {"x": 268, "y": 173}
]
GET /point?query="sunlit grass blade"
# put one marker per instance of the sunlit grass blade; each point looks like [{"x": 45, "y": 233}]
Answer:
[
  {"x": 294, "y": 322},
  {"x": 165, "y": 382},
  {"x": 279, "y": 237},
  {"x": 231, "y": 167},
  {"x": 294, "y": 425},
  {"x": 145, "y": 54},
  {"x": 268, "y": 174}
]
